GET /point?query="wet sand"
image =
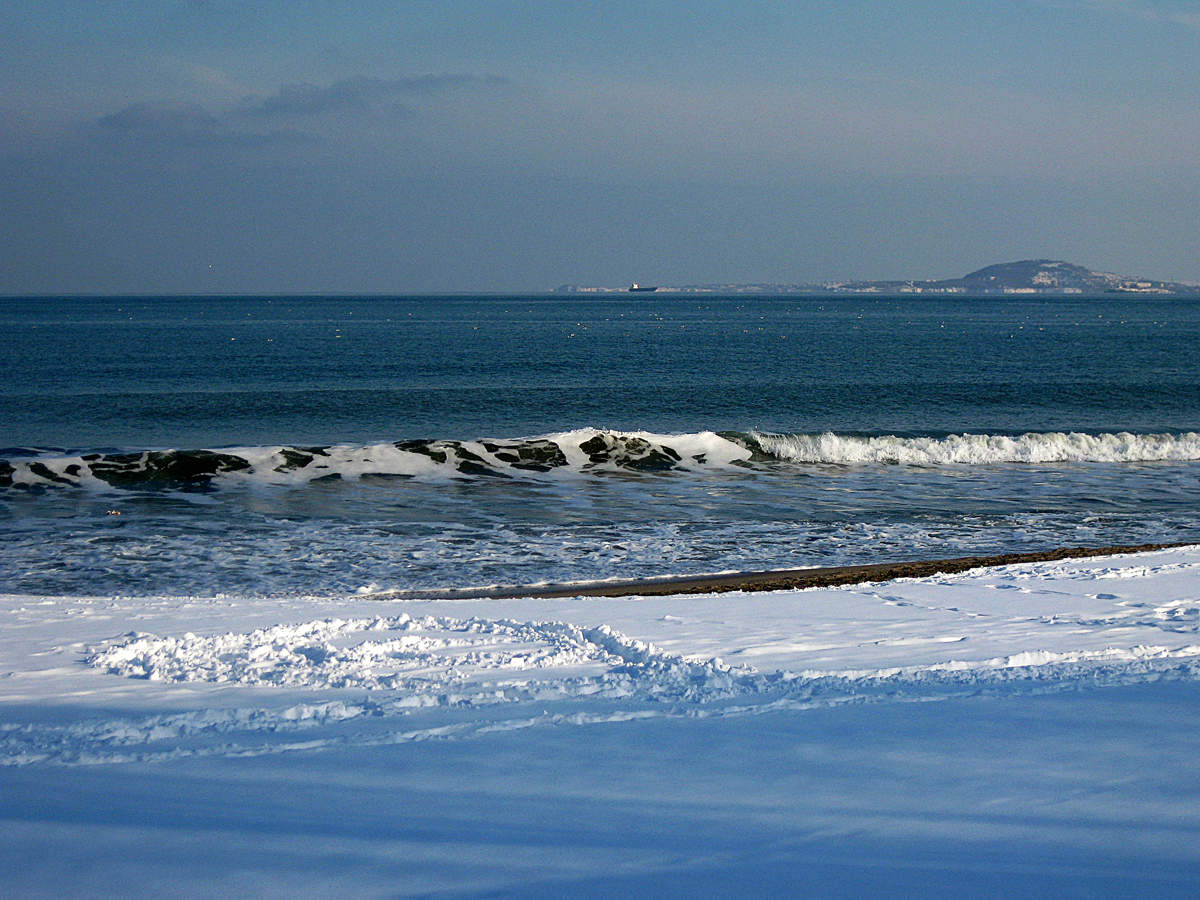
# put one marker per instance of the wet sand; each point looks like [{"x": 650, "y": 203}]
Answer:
[{"x": 772, "y": 580}]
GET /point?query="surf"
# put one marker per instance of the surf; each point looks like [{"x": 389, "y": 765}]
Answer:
[{"x": 586, "y": 451}]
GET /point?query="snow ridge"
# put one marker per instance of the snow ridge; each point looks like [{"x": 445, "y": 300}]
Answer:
[
  {"x": 397, "y": 679},
  {"x": 365, "y": 679},
  {"x": 474, "y": 661},
  {"x": 663, "y": 686}
]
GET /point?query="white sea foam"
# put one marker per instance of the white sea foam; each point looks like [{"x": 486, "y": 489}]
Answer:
[
  {"x": 587, "y": 450},
  {"x": 981, "y": 449},
  {"x": 582, "y": 451}
]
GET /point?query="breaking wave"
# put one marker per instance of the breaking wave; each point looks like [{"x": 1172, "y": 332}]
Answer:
[
  {"x": 584, "y": 451},
  {"x": 980, "y": 449}
]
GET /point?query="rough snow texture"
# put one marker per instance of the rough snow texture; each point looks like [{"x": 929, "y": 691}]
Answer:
[{"x": 230, "y": 676}]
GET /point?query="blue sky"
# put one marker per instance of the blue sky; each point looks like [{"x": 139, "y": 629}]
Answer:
[{"x": 408, "y": 146}]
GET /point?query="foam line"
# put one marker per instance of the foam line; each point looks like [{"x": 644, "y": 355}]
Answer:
[{"x": 585, "y": 451}]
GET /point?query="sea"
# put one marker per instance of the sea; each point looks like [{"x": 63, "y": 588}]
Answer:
[{"x": 332, "y": 445}]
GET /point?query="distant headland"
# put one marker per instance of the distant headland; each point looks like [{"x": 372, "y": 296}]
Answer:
[{"x": 1027, "y": 276}]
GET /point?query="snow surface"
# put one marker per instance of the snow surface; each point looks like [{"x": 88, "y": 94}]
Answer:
[{"x": 1029, "y": 728}]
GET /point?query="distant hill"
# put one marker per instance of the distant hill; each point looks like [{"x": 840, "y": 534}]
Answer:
[
  {"x": 1026, "y": 276},
  {"x": 1056, "y": 276},
  {"x": 1038, "y": 273}
]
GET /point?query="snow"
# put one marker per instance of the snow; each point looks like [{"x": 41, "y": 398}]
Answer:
[{"x": 1026, "y": 728}]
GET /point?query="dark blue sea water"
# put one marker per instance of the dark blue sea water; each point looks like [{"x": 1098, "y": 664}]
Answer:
[{"x": 413, "y": 442}]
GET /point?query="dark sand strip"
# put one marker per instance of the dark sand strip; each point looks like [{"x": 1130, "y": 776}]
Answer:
[{"x": 776, "y": 580}]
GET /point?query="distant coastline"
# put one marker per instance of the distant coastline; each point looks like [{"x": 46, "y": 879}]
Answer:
[{"x": 1029, "y": 276}]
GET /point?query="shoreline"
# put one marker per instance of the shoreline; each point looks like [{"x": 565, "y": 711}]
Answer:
[{"x": 770, "y": 580}]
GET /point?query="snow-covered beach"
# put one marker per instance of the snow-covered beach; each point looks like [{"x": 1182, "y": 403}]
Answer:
[
  {"x": 258, "y": 637},
  {"x": 574, "y": 450},
  {"x": 1029, "y": 727}
]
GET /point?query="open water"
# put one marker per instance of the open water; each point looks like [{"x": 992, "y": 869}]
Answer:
[{"x": 324, "y": 445}]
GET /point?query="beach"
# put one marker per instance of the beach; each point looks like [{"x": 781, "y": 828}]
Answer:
[
  {"x": 1027, "y": 726},
  {"x": 771, "y": 580},
  {"x": 510, "y": 450},
  {"x": 519, "y": 596}
]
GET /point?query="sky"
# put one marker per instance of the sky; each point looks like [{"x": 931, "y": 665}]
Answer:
[{"x": 218, "y": 146}]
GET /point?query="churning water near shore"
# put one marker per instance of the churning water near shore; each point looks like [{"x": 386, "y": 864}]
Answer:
[{"x": 331, "y": 444}]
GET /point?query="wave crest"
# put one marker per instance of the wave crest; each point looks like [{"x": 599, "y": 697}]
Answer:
[
  {"x": 980, "y": 449},
  {"x": 584, "y": 451}
]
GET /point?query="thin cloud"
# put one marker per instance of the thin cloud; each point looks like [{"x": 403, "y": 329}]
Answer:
[
  {"x": 1145, "y": 12},
  {"x": 283, "y": 115},
  {"x": 363, "y": 93},
  {"x": 215, "y": 79},
  {"x": 163, "y": 116},
  {"x": 174, "y": 122},
  {"x": 1190, "y": 20}
]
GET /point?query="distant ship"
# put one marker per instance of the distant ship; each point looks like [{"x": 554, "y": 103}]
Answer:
[{"x": 642, "y": 288}]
